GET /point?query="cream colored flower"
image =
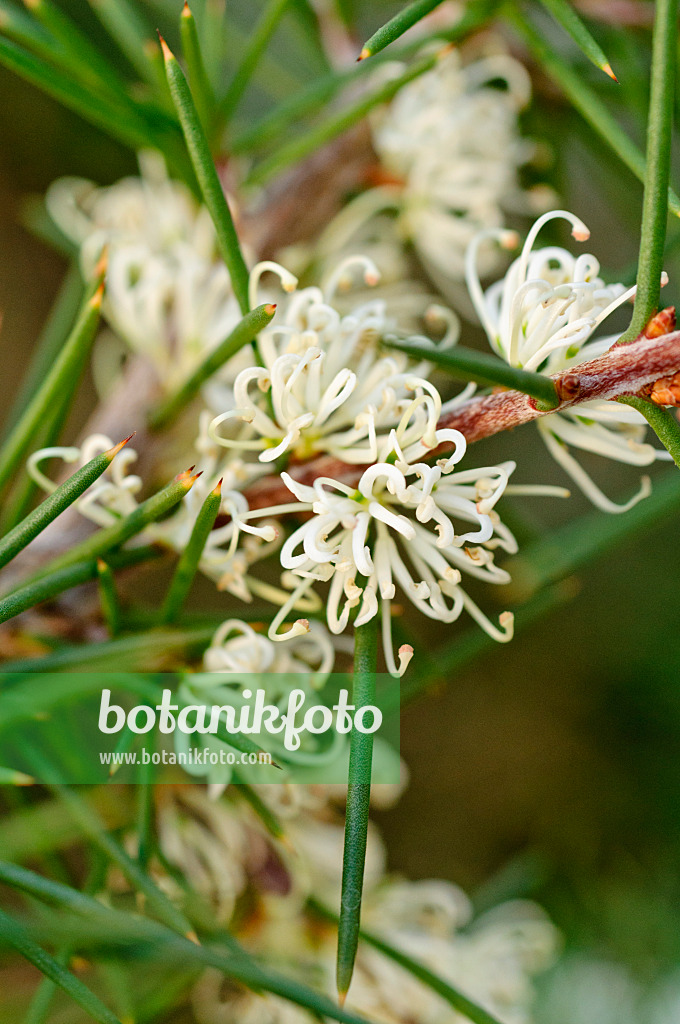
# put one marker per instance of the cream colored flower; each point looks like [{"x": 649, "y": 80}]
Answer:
[{"x": 543, "y": 316}]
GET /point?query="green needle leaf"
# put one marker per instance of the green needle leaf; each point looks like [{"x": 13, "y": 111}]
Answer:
[
  {"x": 245, "y": 332},
  {"x": 79, "y": 54},
  {"x": 564, "y": 13},
  {"x": 18, "y": 938},
  {"x": 60, "y": 499},
  {"x": 658, "y": 164},
  {"x": 587, "y": 103},
  {"x": 108, "y": 596},
  {"x": 125, "y": 25},
  {"x": 482, "y": 368},
  {"x": 406, "y": 18},
  {"x": 120, "y": 121},
  {"x": 198, "y": 77},
  {"x": 319, "y": 92},
  {"x": 356, "y": 814},
  {"x": 663, "y": 422},
  {"x": 59, "y": 382},
  {"x": 654, "y": 209},
  {"x": 190, "y": 558},
  {"x": 53, "y": 583},
  {"x": 259, "y": 39},
  {"x": 11, "y": 777},
  {"x": 105, "y": 540},
  {"x": 123, "y": 929},
  {"x": 209, "y": 182},
  {"x": 261, "y": 809},
  {"x": 323, "y": 133},
  {"x": 453, "y": 996}
]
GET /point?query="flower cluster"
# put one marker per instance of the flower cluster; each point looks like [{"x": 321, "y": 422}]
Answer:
[
  {"x": 167, "y": 297},
  {"x": 222, "y": 849},
  {"x": 543, "y": 316},
  {"x": 450, "y": 154}
]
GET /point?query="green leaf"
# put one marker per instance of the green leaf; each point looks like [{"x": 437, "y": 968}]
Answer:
[
  {"x": 57, "y": 502},
  {"x": 142, "y": 651},
  {"x": 564, "y": 13},
  {"x": 586, "y": 102},
  {"x": 318, "y": 136},
  {"x": 108, "y": 597},
  {"x": 663, "y": 422},
  {"x": 90, "y": 822},
  {"x": 319, "y": 92},
  {"x": 59, "y": 382},
  {"x": 259, "y": 39},
  {"x": 357, "y": 809},
  {"x": 209, "y": 182},
  {"x": 198, "y": 77},
  {"x": 104, "y": 925},
  {"x": 52, "y": 583},
  {"x": 51, "y": 339},
  {"x": 110, "y": 537},
  {"x": 117, "y": 120},
  {"x": 456, "y": 999},
  {"x": 187, "y": 567},
  {"x": 125, "y": 24},
  {"x": 261, "y": 809},
  {"x": 78, "y": 55},
  {"x": 482, "y": 368},
  {"x": 18, "y": 938},
  {"x": 657, "y": 169},
  {"x": 244, "y": 332},
  {"x": 406, "y": 18}
]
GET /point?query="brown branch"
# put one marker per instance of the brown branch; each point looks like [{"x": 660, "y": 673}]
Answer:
[{"x": 624, "y": 370}]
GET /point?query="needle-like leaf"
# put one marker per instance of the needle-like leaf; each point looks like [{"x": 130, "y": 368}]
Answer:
[
  {"x": 126, "y": 26},
  {"x": 313, "y": 98},
  {"x": 198, "y": 78},
  {"x": 60, "y": 499},
  {"x": 57, "y": 581},
  {"x": 14, "y": 935},
  {"x": 323, "y": 133},
  {"x": 59, "y": 382},
  {"x": 259, "y": 39},
  {"x": 108, "y": 596},
  {"x": 356, "y": 813},
  {"x": 586, "y": 102},
  {"x": 657, "y": 167},
  {"x": 565, "y": 14},
  {"x": 244, "y": 332},
  {"x": 456, "y": 999},
  {"x": 209, "y": 182},
  {"x": 111, "y": 537},
  {"x": 190, "y": 558},
  {"x": 482, "y": 368},
  {"x": 406, "y": 18}
]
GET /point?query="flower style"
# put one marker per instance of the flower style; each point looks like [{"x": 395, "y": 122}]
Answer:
[
  {"x": 542, "y": 316},
  {"x": 451, "y": 150},
  {"x": 110, "y": 497},
  {"x": 398, "y": 526},
  {"x": 168, "y": 296},
  {"x": 329, "y": 388}
]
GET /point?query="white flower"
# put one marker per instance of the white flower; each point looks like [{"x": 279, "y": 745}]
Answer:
[
  {"x": 451, "y": 149},
  {"x": 329, "y": 388},
  {"x": 168, "y": 295},
  {"x": 237, "y": 648},
  {"x": 413, "y": 525},
  {"x": 109, "y": 497},
  {"x": 542, "y": 316},
  {"x": 492, "y": 961}
]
